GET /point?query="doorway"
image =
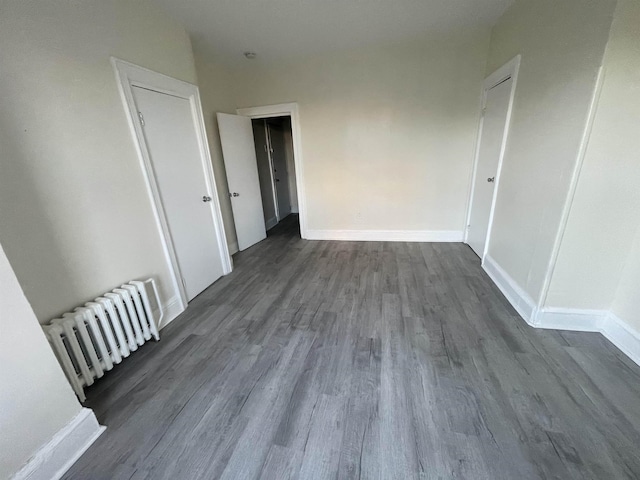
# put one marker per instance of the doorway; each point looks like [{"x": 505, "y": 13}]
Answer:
[
  {"x": 296, "y": 170},
  {"x": 273, "y": 141},
  {"x": 498, "y": 95},
  {"x": 167, "y": 125},
  {"x": 261, "y": 200}
]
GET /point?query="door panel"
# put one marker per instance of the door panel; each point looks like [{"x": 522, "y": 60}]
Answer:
[
  {"x": 170, "y": 136},
  {"x": 280, "y": 174},
  {"x": 238, "y": 149},
  {"x": 491, "y": 138}
]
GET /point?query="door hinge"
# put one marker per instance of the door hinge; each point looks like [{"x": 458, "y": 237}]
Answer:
[
  {"x": 141, "y": 117},
  {"x": 484, "y": 110},
  {"x": 184, "y": 284}
]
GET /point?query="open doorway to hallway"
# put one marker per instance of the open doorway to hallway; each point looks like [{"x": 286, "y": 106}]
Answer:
[
  {"x": 276, "y": 168},
  {"x": 260, "y": 201}
]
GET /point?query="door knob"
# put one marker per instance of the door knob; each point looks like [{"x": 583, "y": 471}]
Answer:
[
  {"x": 234, "y": 194},
  {"x": 491, "y": 179},
  {"x": 205, "y": 198}
]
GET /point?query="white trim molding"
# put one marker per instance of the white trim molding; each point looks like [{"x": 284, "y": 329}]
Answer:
[
  {"x": 171, "y": 309},
  {"x": 288, "y": 110},
  {"x": 614, "y": 329},
  {"x": 57, "y": 456},
  {"x": 623, "y": 336},
  {"x": 518, "y": 298},
  {"x": 129, "y": 75},
  {"x": 387, "y": 235},
  {"x": 574, "y": 319},
  {"x": 270, "y": 223}
]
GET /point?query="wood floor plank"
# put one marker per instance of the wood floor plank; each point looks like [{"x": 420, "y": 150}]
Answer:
[{"x": 363, "y": 360}]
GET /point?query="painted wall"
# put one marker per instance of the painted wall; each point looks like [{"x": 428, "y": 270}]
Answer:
[
  {"x": 75, "y": 215},
  {"x": 596, "y": 251},
  {"x": 626, "y": 303},
  {"x": 35, "y": 399},
  {"x": 387, "y": 133},
  {"x": 562, "y": 45},
  {"x": 217, "y": 95}
]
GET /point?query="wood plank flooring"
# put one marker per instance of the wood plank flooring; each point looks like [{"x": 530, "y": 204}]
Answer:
[{"x": 318, "y": 360}]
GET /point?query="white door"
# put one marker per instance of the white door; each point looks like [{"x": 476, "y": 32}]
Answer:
[
  {"x": 238, "y": 150},
  {"x": 172, "y": 142},
  {"x": 491, "y": 140}
]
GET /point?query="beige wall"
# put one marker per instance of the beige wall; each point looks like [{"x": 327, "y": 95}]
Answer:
[
  {"x": 562, "y": 44},
  {"x": 626, "y": 303},
  {"x": 623, "y": 86},
  {"x": 217, "y": 94},
  {"x": 35, "y": 399},
  {"x": 605, "y": 213},
  {"x": 76, "y": 219},
  {"x": 387, "y": 133}
]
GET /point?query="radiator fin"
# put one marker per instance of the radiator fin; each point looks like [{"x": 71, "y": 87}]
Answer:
[{"x": 93, "y": 338}]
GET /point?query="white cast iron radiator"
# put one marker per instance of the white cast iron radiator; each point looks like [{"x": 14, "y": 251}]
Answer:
[{"x": 89, "y": 341}]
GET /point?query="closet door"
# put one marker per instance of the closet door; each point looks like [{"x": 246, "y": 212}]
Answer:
[
  {"x": 172, "y": 142},
  {"x": 491, "y": 142}
]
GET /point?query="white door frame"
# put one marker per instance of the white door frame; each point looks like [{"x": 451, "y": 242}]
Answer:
[
  {"x": 129, "y": 75},
  {"x": 507, "y": 71},
  {"x": 287, "y": 110}
]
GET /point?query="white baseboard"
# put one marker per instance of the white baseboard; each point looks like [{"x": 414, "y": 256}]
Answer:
[
  {"x": 519, "y": 299},
  {"x": 616, "y": 330},
  {"x": 386, "y": 235},
  {"x": 54, "y": 458},
  {"x": 623, "y": 336},
  {"x": 233, "y": 248},
  {"x": 270, "y": 223},
  {"x": 172, "y": 309},
  {"x": 574, "y": 319}
]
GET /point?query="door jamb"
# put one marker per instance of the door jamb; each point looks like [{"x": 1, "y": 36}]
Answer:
[
  {"x": 274, "y": 188},
  {"x": 129, "y": 75},
  {"x": 508, "y": 70},
  {"x": 290, "y": 110}
]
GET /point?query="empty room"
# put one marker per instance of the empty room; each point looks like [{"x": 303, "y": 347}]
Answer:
[{"x": 319, "y": 239}]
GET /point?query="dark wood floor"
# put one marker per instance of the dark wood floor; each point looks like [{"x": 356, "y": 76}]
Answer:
[{"x": 364, "y": 360}]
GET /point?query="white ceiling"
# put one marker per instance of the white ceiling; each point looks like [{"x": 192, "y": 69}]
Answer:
[{"x": 287, "y": 28}]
